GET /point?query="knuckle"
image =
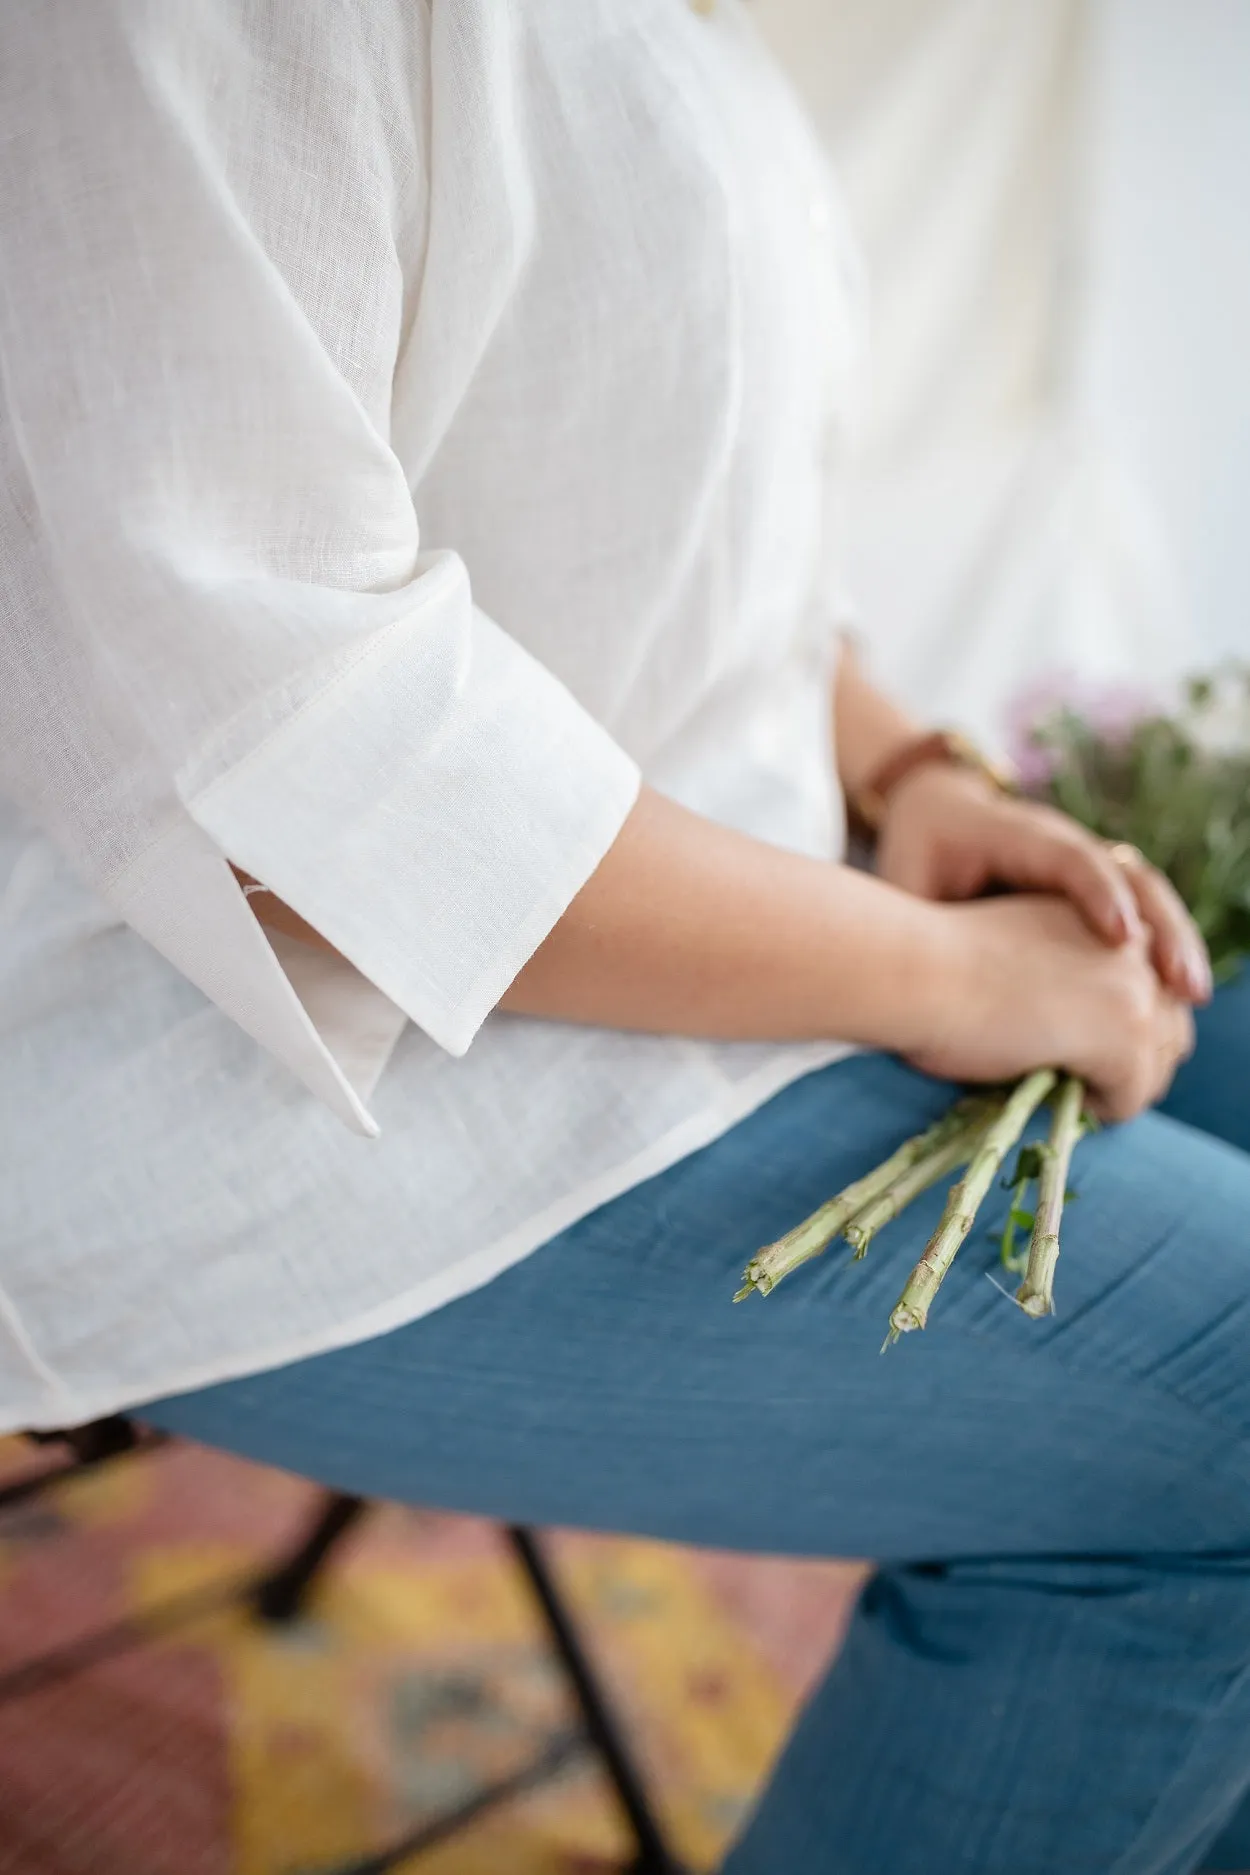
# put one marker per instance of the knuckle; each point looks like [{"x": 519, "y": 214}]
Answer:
[
  {"x": 1054, "y": 822},
  {"x": 1122, "y": 1102},
  {"x": 1136, "y": 1007},
  {"x": 1066, "y": 837},
  {"x": 1082, "y": 873},
  {"x": 1080, "y": 864}
]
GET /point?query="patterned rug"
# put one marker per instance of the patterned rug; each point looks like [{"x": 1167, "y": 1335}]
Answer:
[{"x": 222, "y": 1747}]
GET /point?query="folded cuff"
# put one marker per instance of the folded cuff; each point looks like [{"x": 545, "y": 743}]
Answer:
[{"x": 432, "y": 811}]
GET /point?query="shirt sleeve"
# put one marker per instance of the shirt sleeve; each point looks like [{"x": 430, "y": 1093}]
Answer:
[{"x": 225, "y": 640}]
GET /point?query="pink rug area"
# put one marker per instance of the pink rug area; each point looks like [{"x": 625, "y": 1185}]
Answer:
[{"x": 420, "y": 1672}]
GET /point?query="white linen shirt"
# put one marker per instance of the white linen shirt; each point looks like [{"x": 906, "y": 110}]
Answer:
[{"x": 417, "y": 421}]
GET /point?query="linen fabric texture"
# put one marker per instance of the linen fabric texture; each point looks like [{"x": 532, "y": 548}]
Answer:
[{"x": 416, "y": 423}]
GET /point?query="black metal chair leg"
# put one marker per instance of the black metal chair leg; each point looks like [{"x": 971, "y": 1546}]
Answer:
[
  {"x": 280, "y": 1595},
  {"x": 654, "y": 1855},
  {"x": 85, "y": 1448}
]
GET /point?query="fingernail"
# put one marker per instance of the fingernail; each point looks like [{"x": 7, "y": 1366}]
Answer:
[{"x": 1199, "y": 972}]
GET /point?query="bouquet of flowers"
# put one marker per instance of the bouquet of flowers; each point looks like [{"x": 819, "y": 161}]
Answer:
[{"x": 1177, "y": 787}]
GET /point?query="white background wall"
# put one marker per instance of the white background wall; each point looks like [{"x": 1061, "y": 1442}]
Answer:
[
  {"x": 1168, "y": 359},
  {"x": 1055, "y": 199}
]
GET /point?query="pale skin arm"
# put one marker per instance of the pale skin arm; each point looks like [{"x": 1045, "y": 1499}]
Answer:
[
  {"x": 868, "y": 726},
  {"x": 689, "y": 928}
]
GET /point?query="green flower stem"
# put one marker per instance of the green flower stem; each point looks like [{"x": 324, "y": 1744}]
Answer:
[
  {"x": 912, "y": 1308},
  {"x": 864, "y": 1226},
  {"x": 815, "y": 1233},
  {"x": 1036, "y": 1294}
]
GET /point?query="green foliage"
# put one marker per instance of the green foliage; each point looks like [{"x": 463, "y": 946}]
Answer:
[
  {"x": 1028, "y": 1166},
  {"x": 1178, "y": 788},
  {"x": 1025, "y": 1173},
  {"x": 1019, "y": 1218}
]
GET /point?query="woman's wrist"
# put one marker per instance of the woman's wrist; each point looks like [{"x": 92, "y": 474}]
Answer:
[
  {"x": 939, "y": 990},
  {"x": 942, "y": 760},
  {"x": 883, "y": 752},
  {"x": 901, "y": 966},
  {"x": 868, "y": 726}
]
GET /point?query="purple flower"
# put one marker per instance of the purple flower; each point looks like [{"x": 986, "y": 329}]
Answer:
[{"x": 1111, "y": 710}]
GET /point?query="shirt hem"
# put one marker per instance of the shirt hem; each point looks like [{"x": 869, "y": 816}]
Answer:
[{"x": 472, "y": 1272}]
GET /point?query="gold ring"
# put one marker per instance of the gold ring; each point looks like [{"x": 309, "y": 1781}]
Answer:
[{"x": 1125, "y": 854}]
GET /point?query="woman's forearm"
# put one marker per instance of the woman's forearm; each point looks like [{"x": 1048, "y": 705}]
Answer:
[
  {"x": 689, "y": 928},
  {"x": 868, "y": 727}
]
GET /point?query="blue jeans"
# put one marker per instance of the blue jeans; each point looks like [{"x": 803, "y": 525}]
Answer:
[{"x": 1050, "y": 1672}]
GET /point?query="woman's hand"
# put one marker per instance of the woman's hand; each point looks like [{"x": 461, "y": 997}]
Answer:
[
  {"x": 1031, "y": 986},
  {"x": 949, "y": 835}
]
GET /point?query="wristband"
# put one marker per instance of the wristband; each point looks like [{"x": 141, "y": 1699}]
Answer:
[{"x": 942, "y": 746}]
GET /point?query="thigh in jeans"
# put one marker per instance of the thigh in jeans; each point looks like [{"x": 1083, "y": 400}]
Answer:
[
  {"x": 1212, "y": 1089},
  {"x": 608, "y": 1380}
]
